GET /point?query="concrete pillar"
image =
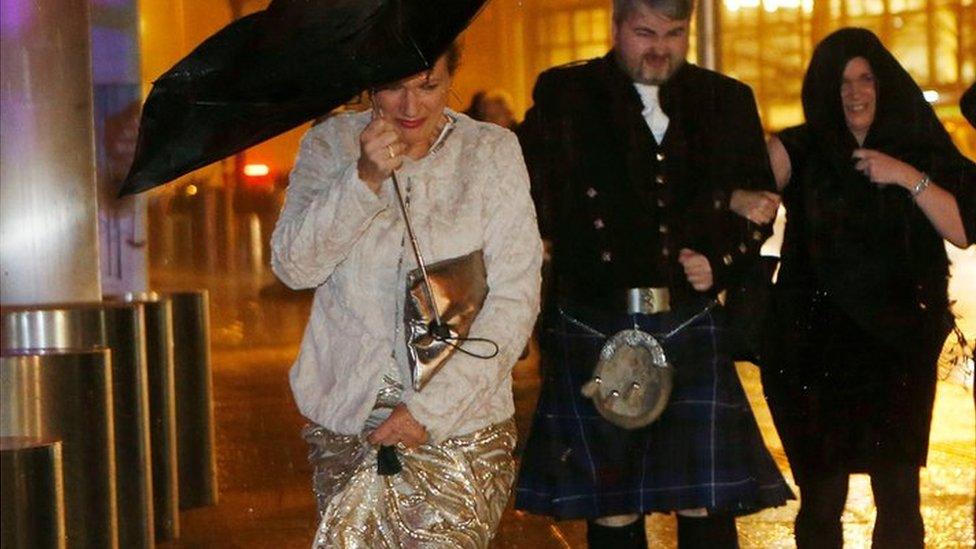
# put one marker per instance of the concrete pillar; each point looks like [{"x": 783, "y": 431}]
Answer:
[{"x": 48, "y": 212}]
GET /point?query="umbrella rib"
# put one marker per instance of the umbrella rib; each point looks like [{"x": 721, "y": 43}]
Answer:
[{"x": 419, "y": 52}]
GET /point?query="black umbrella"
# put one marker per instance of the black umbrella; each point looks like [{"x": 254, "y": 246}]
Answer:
[{"x": 271, "y": 71}]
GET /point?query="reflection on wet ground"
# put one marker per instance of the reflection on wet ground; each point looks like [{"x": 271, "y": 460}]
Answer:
[{"x": 264, "y": 478}]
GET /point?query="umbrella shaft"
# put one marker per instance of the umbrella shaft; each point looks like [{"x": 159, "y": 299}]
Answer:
[{"x": 416, "y": 250}]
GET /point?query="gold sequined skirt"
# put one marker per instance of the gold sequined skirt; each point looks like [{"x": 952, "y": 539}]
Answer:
[{"x": 450, "y": 494}]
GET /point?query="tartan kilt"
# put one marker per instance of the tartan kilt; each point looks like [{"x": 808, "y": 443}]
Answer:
[{"x": 705, "y": 451}]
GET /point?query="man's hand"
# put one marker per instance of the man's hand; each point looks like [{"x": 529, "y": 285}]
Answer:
[
  {"x": 697, "y": 269},
  {"x": 399, "y": 427},
  {"x": 757, "y": 206}
]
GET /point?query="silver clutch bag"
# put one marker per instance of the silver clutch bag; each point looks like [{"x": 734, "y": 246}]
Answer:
[
  {"x": 436, "y": 324},
  {"x": 442, "y": 301}
]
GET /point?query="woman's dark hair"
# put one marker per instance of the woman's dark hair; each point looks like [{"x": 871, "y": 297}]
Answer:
[
  {"x": 452, "y": 58},
  {"x": 452, "y": 55}
]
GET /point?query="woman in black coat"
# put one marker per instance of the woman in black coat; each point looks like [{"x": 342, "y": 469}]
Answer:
[{"x": 860, "y": 309}]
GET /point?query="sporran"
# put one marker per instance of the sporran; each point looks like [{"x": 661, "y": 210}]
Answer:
[{"x": 632, "y": 380}]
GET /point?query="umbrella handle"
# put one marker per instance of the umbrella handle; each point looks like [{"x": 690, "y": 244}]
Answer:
[{"x": 387, "y": 462}]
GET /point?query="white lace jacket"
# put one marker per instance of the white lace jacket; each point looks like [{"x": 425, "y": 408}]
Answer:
[{"x": 336, "y": 235}]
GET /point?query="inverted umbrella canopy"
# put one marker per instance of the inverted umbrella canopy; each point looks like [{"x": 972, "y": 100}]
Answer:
[{"x": 271, "y": 71}]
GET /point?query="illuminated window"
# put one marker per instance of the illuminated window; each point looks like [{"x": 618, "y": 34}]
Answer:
[
  {"x": 768, "y": 43},
  {"x": 569, "y": 31},
  {"x": 562, "y": 31}
]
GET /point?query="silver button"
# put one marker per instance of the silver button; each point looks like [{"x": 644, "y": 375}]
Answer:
[
  {"x": 757, "y": 236},
  {"x": 660, "y": 203},
  {"x": 591, "y": 192},
  {"x": 598, "y": 223},
  {"x": 665, "y": 252},
  {"x": 727, "y": 259},
  {"x": 743, "y": 248},
  {"x": 606, "y": 256},
  {"x": 659, "y": 156},
  {"x": 659, "y": 179},
  {"x": 663, "y": 229},
  {"x": 717, "y": 204}
]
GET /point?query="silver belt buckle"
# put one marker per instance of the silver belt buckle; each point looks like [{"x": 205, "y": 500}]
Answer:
[{"x": 648, "y": 301}]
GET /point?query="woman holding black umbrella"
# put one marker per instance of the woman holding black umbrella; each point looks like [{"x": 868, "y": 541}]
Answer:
[
  {"x": 872, "y": 185},
  {"x": 403, "y": 374},
  {"x": 465, "y": 189}
]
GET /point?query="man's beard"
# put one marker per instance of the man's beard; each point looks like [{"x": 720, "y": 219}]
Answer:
[{"x": 643, "y": 74}]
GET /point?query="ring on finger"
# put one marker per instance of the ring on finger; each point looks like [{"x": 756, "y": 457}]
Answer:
[{"x": 401, "y": 446}]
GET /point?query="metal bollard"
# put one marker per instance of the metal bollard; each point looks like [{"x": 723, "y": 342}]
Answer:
[
  {"x": 56, "y": 327},
  {"x": 255, "y": 243},
  {"x": 158, "y": 316},
  {"x": 67, "y": 395},
  {"x": 197, "y": 463},
  {"x": 31, "y": 494},
  {"x": 125, "y": 334},
  {"x": 119, "y": 327}
]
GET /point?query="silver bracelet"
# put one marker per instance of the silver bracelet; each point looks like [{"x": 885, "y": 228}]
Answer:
[{"x": 922, "y": 184}]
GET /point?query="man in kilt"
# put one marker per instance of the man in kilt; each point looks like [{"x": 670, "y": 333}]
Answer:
[{"x": 633, "y": 158}]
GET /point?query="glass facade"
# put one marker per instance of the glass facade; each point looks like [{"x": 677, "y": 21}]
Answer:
[
  {"x": 562, "y": 32},
  {"x": 768, "y": 43}
]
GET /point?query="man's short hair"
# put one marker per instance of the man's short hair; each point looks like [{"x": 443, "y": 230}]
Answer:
[{"x": 677, "y": 10}]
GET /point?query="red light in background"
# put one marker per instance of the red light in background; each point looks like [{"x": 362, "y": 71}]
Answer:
[{"x": 256, "y": 170}]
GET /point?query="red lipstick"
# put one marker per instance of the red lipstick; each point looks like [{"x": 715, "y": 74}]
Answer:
[{"x": 410, "y": 124}]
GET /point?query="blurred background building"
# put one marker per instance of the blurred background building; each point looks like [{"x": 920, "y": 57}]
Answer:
[
  {"x": 68, "y": 139},
  {"x": 765, "y": 43}
]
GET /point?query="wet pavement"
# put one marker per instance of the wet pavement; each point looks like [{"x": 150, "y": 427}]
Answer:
[{"x": 264, "y": 478}]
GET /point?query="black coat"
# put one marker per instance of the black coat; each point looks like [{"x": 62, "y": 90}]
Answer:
[
  {"x": 869, "y": 246},
  {"x": 616, "y": 205},
  {"x": 860, "y": 306}
]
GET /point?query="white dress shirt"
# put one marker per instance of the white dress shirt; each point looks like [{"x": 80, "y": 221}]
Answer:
[{"x": 656, "y": 120}]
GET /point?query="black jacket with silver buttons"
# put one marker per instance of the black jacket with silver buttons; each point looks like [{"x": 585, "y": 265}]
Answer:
[{"x": 616, "y": 205}]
